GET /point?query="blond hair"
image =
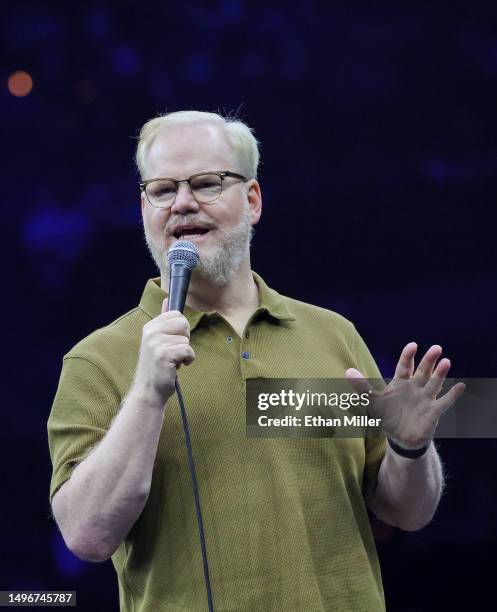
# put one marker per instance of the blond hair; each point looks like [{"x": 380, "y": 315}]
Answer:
[{"x": 240, "y": 137}]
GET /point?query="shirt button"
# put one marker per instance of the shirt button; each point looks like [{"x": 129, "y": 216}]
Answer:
[
  {"x": 229, "y": 338},
  {"x": 246, "y": 334},
  {"x": 245, "y": 355}
]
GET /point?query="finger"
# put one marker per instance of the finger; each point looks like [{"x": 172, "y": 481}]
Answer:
[
  {"x": 165, "y": 304},
  {"x": 435, "y": 384},
  {"x": 166, "y": 327},
  {"x": 405, "y": 366},
  {"x": 181, "y": 353},
  {"x": 426, "y": 365},
  {"x": 358, "y": 381},
  {"x": 173, "y": 322},
  {"x": 446, "y": 401},
  {"x": 172, "y": 314},
  {"x": 172, "y": 340}
]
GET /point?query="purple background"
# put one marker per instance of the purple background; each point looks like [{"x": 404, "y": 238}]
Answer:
[{"x": 378, "y": 126}]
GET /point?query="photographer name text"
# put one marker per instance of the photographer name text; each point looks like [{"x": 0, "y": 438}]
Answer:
[{"x": 319, "y": 421}]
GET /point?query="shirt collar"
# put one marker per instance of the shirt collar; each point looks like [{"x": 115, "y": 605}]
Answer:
[{"x": 270, "y": 302}]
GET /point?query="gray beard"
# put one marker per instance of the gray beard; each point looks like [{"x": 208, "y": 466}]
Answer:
[{"x": 218, "y": 266}]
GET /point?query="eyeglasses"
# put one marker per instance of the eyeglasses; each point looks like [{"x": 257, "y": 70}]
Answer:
[{"x": 205, "y": 187}]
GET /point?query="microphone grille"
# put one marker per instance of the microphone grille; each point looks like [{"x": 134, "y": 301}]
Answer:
[{"x": 184, "y": 252}]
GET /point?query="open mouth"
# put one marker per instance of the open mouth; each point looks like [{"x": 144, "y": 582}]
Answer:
[{"x": 186, "y": 233}]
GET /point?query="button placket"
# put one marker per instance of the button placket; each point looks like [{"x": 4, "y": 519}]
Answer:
[{"x": 245, "y": 352}]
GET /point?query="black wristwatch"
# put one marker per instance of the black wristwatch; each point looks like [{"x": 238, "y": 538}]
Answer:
[{"x": 410, "y": 453}]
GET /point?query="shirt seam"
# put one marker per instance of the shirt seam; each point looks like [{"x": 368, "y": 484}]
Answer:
[
  {"x": 140, "y": 307},
  {"x": 102, "y": 372}
]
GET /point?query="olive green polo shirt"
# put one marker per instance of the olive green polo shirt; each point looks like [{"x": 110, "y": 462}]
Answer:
[{"x": 285, "y": 519}]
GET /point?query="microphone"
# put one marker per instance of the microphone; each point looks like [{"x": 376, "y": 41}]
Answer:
[{"x": 182, "y": 257}]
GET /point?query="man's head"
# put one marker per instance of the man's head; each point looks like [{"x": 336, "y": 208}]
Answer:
[{"x": 178, "y": 146}]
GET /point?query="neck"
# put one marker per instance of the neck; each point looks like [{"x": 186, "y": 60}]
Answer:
[{"x": 240, "y": 294}]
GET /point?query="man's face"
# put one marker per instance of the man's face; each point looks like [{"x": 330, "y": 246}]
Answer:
[{"x": 221, "y": 230}]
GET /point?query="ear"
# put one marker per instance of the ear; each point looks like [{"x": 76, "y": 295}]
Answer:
[
  {"x": 143, "y": 203},
  {"x": 254, "y": 197}
]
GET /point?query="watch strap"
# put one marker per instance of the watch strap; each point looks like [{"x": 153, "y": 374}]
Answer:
[{"x": 409, "y": 453}]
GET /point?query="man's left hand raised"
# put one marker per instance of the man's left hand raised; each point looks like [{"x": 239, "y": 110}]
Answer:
[{"x": 409, "y": 405}]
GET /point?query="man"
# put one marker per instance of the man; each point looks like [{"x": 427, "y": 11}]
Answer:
[{"x": 285, "y": 519}]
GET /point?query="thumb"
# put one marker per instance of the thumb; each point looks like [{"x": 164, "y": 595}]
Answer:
[
  {"x": 357, "y": 380},
  {"x": 165, "y": 305}
]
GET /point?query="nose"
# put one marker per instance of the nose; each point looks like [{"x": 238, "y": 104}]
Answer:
[{"x": 184, "y": 202}]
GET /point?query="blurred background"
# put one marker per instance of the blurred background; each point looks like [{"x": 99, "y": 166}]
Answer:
[{"x": 378, "y": 127}]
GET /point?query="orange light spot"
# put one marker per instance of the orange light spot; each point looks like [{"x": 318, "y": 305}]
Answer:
[{"x": 20, "y": 83}]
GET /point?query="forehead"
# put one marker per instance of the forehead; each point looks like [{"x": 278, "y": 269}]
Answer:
[{"x": 182, "y": 150}]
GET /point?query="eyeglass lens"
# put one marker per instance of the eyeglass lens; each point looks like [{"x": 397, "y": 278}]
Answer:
[{"x": 205, "y": 188}]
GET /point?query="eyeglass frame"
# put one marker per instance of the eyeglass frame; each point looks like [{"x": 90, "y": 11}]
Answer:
[{"x": 222, "y": 174}]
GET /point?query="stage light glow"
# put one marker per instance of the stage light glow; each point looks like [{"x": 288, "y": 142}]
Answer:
[{"x": 20, "y": 84}]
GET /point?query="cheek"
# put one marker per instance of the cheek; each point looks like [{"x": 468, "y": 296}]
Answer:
[
  {"x": 155, "y": 221},
  {"x": 231, "y": 213}
]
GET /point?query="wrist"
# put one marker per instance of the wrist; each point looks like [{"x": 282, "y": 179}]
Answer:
[
  {"x": 410, "y": 444},
  {"x": 148, "y": 394},
  {"x": 409, "y": 452}
]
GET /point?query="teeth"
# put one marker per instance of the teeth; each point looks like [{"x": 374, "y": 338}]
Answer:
[{"x": 190, "y": 232}]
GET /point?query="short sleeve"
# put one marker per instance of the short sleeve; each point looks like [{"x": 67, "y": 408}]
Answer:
[
  {"x": 375, "y": 446},
  {"x": 82, "y": 412}
]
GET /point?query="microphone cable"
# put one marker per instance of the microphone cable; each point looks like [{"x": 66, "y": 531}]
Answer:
[{"x": 196, "y": 494}]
